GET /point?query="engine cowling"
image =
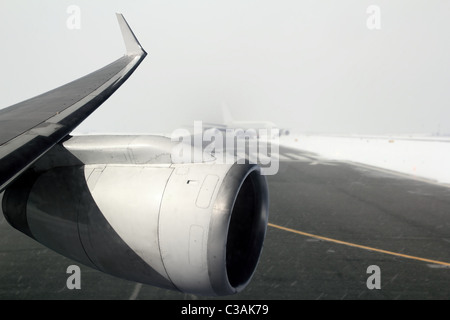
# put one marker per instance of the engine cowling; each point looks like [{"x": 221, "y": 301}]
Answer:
[{"x": 194, "y": 227}]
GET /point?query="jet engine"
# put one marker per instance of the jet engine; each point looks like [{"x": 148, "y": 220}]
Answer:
[{"x": 120, "y": 205}]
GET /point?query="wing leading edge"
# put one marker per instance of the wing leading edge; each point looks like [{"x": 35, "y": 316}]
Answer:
[{"x": 32, "y": 127}]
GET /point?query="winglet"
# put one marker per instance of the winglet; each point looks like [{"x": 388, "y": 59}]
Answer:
[{"x": 132, "y": 44}]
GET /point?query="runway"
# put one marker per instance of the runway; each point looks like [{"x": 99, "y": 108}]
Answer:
[{"x": 329, "y": 222}]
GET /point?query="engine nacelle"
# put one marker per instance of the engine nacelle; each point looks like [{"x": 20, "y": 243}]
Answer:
[{"x": 197, "y": 228}]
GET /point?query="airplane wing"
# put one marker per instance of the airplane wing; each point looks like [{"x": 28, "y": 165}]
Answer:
[
  {"x": 32, "y": 127},
  {"x": 201, "y": 230}
]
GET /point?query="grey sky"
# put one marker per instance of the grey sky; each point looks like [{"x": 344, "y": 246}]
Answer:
[{"x": 310, "y": 65}]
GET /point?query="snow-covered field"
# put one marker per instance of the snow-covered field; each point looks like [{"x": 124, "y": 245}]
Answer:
[{"x": 420, "y": 156}]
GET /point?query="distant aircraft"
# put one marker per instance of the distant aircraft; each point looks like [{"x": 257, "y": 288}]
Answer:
[
  {"x": 259, "y": 127},
  {"x": 120, "y": 204}
]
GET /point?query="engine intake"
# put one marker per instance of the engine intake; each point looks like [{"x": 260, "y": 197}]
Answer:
[{"x": 197, "y": 227}]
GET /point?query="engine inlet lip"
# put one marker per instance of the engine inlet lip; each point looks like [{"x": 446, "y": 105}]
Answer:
[{"x": 221, "y": 281}]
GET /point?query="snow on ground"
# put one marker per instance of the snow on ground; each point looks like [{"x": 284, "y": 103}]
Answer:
[{"x": 420, "y": 156}]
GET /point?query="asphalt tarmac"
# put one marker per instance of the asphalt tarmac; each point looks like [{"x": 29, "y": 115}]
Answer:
[{"x": 337, "y": 231}]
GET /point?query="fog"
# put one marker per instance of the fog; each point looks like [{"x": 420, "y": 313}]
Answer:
[{"x": 367, "y": 67}]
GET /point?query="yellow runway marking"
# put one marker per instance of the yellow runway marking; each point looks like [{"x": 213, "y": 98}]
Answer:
[{"x": 359, "y": 246}]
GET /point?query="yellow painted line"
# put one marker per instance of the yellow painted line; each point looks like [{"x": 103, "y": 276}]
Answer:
[{"x": 359, "y": 246}]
